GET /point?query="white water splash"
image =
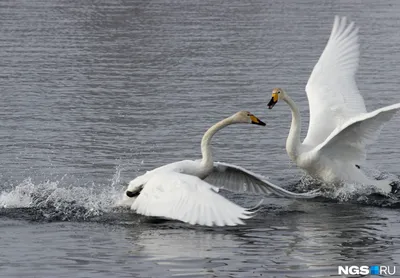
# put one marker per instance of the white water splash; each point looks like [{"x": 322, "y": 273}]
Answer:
[
  {"x": 354, "y": 192},
  {"x": 64, "y": 202},
  {"x": 17, "y": 197}
]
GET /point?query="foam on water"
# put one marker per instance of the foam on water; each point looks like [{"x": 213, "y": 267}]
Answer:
[
  {"x": 353, "y": 192},
  {"x": 55, "y": 201},
  {"x": 52, "y": 200}
]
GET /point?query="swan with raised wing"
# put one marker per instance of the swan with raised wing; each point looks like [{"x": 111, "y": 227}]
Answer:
[
  {"x": 187, "y": 190},
  {"x": 340, "y": 128}
]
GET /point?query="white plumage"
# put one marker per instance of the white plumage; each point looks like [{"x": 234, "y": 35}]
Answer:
[
  {"x": 189, "y": 199},
  {"x": 332, "y": 91},
  {"x": 188, "y": 190},
  {"x": 340, "y": 127}
]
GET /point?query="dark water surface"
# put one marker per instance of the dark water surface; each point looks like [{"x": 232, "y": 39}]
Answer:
[{"x": 94, "y": 92}]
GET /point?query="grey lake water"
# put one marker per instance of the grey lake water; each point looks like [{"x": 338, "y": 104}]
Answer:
[{"x": 93, "y": 93}]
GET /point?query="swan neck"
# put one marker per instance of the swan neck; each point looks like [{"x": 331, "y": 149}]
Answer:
[
  {"x": 293, "y": 139},
  {"x": 207, "y": 160}
]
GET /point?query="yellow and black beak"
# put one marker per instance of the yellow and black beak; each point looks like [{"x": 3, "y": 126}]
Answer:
[
  {"x": 273, "y": 100},
  {"x": 256, "y": 121}
]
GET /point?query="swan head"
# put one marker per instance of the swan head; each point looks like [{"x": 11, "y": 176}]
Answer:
[
  {"x": 246, "y": 117},
  {"x": 277, "y": 94}
]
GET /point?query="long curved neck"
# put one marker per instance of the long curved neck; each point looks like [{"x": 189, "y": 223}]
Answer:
[
  {"x": 293, "y": 140},
  {"x": 207, "y": 160}
]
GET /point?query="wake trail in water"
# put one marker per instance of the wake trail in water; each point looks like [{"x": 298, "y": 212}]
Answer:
[
  {"x": 352, "y": 193},
  {"x": 50, "y": 201}
]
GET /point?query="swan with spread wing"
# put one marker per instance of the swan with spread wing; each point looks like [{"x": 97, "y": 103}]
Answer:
[
  {"x": 188, "y": 190},
  {"x": 340, "y": 128}
]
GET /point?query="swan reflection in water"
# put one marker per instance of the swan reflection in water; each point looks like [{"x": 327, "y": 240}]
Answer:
[{"x": 301, "y": 239}]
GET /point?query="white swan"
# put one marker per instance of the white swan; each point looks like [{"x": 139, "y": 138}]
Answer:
[
  {"x": 340, "y": 127},
  {"x": 182, "y": 190}
]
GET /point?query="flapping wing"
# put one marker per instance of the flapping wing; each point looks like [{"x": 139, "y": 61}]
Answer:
[
  {"x": 332, "y": 91},
  {"x": 188, "y": 199},
  {"x": 349, "y": 142},
  {"x": 238, "y": 179}
]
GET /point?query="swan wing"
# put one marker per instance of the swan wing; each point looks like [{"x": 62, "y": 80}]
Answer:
[
  {"x": 349, "y": 142},
  {"x": 238, "y": 179},
  {"x": 332, "y": 91},
  {"x": 189, "y": 199}
]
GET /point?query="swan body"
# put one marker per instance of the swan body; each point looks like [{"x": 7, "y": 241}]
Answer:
[
  {"x": 340, "y": 128},
  {"x": 188, "y": 190}
]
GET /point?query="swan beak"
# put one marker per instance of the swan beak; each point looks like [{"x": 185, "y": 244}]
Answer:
[
  {"x": 273, "y": 100},
  {"x": 256, "y": 121}
]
